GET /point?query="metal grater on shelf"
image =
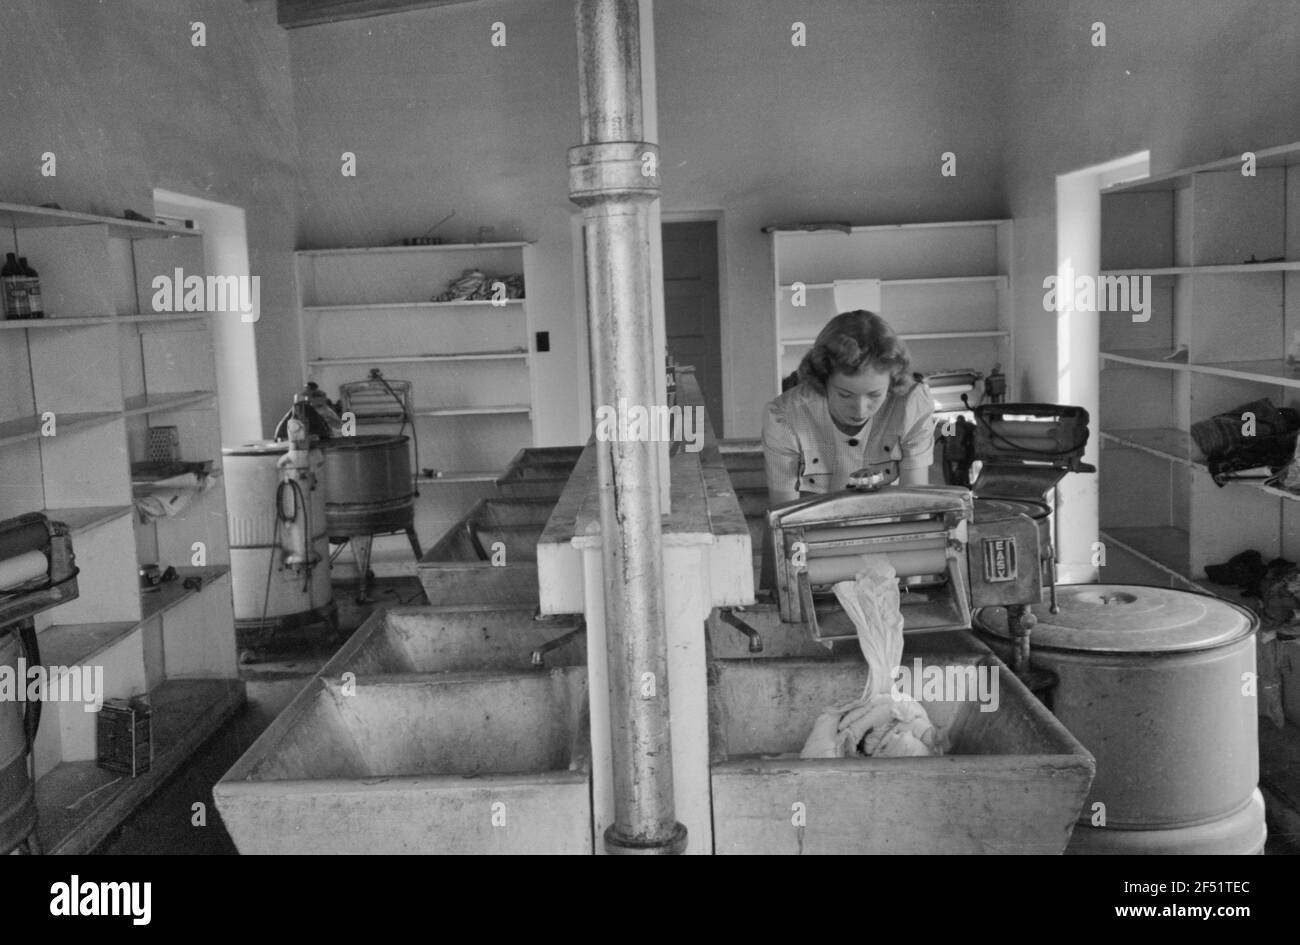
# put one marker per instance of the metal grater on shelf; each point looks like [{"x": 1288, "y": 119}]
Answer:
[{"x": 164, "y": 445}]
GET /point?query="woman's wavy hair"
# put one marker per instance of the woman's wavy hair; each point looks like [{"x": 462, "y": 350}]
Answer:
[{"x": 852, "y": 341}]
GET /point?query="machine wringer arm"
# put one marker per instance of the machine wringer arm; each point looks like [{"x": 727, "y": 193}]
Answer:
[{"x": 1026, "y": 449}]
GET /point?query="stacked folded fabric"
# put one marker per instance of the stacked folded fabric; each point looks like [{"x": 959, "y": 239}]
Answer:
[{"x": 167, "y": 498}]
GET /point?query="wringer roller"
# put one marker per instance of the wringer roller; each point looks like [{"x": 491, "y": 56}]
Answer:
[
  {"x": 37, "y": 572},
  {"x": 946, "y": 561},
  {"x": 1026, "y": 449}
]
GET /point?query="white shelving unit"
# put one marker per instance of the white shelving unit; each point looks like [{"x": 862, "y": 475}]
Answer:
[
  {"x": 469, "y": 363},
  {"x": 79, "y": 390},
  {"x": 944, "y": 287},
  {"x": 1219, "y": 328}
]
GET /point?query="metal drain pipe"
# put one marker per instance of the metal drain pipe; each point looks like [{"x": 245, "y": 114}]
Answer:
[{"x": 614, "y": 177}]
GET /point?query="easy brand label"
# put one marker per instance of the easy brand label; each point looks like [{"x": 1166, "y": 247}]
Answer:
[{"x": 999, "y": 559}]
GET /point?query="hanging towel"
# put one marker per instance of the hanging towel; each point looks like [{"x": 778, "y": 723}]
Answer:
[
  {"x": 167, "y": 498},
  {"x": 883, "y": 722},
  {"x": 873, "y": 604}
]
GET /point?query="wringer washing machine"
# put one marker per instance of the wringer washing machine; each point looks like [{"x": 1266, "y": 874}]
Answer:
[
  {"x": 954, "y": 549},
  {"x": 37, "y": 572},
  {"x": 946, "y": 560}
]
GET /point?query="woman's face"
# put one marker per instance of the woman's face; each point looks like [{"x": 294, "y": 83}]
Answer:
[{"x": 853, "y": 399}]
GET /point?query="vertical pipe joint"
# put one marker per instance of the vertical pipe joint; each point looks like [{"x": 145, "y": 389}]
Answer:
[
  {"x": 614, "y": 177},
  {"x": 618, "y": 844},
  {"x": 613, "y": 171}
]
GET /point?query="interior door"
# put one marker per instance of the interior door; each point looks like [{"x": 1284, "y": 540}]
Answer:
[{"x": 692, "y": 311}]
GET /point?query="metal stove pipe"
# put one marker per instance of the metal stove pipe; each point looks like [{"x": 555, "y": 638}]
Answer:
[{"x": 613, "y": 176}]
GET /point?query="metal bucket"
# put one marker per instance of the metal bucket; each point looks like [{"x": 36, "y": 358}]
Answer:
[
  {"x": 17, "y": 793},
  {"x": 1153, "y": 682},
  {"x": 257, "y": 541},
  {"x": 368, "y": 487}
]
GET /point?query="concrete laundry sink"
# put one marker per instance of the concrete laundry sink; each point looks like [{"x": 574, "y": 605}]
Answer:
[
  {"x": 456, "y": 639},
  {"x": 1014, "y": 781},
  {"x": 744, "y": 462},
  {"x": 464, "y": 567},
  {"x": 547, "y": 455},
  {"x": 453, "y": 763},
  {"x": 539, "y": 472},
  {"x": 541, "y": 481}
]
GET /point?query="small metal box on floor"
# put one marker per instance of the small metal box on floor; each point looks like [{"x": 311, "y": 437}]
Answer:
[{"x": 124, "y": 736}]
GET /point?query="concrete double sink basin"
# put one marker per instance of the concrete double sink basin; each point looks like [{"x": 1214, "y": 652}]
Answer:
[
  {"x": 489, "y": 557},
  {"x": 1013, "y": 780},
  {"x": 432, "y": 731},
  {"x": 539, "y": 472},
  {"x": 429, "y": 732}
]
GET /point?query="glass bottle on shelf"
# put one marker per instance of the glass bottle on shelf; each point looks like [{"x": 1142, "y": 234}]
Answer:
[
  {"x": 35, "y": 309},
  {"x": 13, "y": 288}
]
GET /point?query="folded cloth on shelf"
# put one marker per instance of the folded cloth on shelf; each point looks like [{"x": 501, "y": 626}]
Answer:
[
  {"x": 1288, "y": 477},
  {"x": 883, "y": 722},
  {"x": 1257, "y": 434},
  {"x": 168, "y": 498}
]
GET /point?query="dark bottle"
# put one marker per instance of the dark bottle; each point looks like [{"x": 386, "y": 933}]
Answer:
[
  {"x": 13, "y": 289},
  {"x": 33, "y": 289}
]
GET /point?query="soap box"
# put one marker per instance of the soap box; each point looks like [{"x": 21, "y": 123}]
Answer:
[{"x": 124, "y": 735}]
